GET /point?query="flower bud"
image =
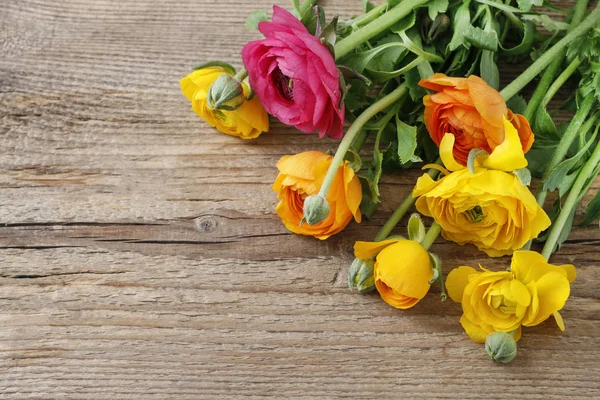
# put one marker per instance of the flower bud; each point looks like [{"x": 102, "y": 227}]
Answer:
[
  {"x": 316, "y": 209},
  {"x": 501, "y": 347},
  {"x": 431, "y": 29},
  {"x": 226, "y": 93},
  {"x": 360, "y": 275}
]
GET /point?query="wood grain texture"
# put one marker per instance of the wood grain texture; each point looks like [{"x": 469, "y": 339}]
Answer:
[{"x": 140, "y": 257}]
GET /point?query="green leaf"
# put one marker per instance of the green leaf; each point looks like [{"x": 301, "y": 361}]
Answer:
[
  {"x": 559, "y": 173},
  {"x": 387, "y": 60},
  {"x": 546, "y": 22},
  {"x": 255, "y": 18},
  {"x": 412, "y": 79},
  {"x": 524, "y": 176},
  {"x": 354, "y": 160},
  {"x": 436, "y": 7},
  {"x": 220, "y": 64},
  {"x": 517, "y": 104},
  {"x": 544, "y": 127},
  {"x": 525, "y": 5},
  {"x": 489, "y": 69},
  {"x": 481, "y": 39},
  {"x": 359, "y": 61},
  {"x": 416, "y": 228},
  {"x": 500, "y": 6},
  {"x": 462, "y": 22},
  {"x": 405, "y": 23},
  {"x": 526, "y": 43},
  {"x": 593, "y": 210},
  {"x": 407, "y": 142},
  {"x": 473, "y": 154},
  {"x": 328, "y": 34},
  {"x": 367, "y": 6}
]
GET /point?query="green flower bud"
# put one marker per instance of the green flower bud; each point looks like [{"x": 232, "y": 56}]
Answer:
[
  {"x": 316, "y": 209},
  {"x": 360, "y": 275},
  {"x": 430, "y": 30},
  {"x": 501, "y": 347},
  {"x": 226, "y": 93}
]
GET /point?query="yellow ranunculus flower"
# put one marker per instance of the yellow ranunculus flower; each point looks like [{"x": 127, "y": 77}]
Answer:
[
  {"x": 488, "y": 208},
  {"x": 402, "y": 271},
  {"x": 247, "y": 122},
  {"x": 527, "y": 295}
]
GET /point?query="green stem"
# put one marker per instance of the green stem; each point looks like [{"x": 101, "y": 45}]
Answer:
[
  {"x": 370, "y": 16},
  {"x": 550, "y": 56},
  {"x": 401, "y": 211},
  {"x": 391, "y": 223},
  {"x": 356, "y": 127},
  {"x": 560, "y": 80},
  {"x": 241, "y": 75},
  {"x": 432, "y": 234},
  {"x": 541, "y": 93},
  {"x": 571, "y": 202},
  {"x": 375, "y": 27},
  {"x": 565, "y": 143}
]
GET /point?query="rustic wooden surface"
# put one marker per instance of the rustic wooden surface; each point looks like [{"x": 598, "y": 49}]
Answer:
[{"x": 140, "y": 257}]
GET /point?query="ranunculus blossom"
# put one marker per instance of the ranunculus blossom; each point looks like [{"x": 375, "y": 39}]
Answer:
[
  {"x": 488, "y": 208},
  {"x": 295, "y": 76},
  {"x": 473, "y": 112},
  {"x": 527, "y": 295},
  {"x": 247, "y": 122},
  {"x": 301, "y": 176},
  {"x": 402, "y": 270}
]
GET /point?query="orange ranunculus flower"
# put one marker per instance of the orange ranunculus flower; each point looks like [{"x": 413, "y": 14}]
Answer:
[
  {"x": 301, "y": 176},
  {"x": 473, "y": 112}
]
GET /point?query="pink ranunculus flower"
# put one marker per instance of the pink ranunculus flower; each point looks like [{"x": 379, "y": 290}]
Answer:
[{"x": 295, "y": 76}]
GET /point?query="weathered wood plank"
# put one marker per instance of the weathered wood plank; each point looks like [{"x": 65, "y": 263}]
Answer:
[{"x": 139, "y": 253}]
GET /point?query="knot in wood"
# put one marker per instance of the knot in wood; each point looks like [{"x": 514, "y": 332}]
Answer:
[{"x": 205, "y": 224}]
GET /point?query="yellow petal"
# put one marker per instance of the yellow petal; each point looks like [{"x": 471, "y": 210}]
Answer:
[
  {"x": 475, "y": 332},
  {"x": 553, "y": 291},
  {"x": 366, "y": 250},
  {"x": 457, "y": 280},
  {"x": 559, "y": 321},
  {"x": 571, "y": 272},
  {"x": 447, "y": 153},
  {"x": 508, "y": 156}
]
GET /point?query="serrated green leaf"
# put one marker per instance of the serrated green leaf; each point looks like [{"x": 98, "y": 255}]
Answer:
[
  {"x": 255, "y": 18},
  {"x": 407, "y": 142},
  {"x": 416, "y": 228},
  {"x": 436, "y": 7},
  {"x": 546, "y": 22},
  {"x": 525, "y": 5}
]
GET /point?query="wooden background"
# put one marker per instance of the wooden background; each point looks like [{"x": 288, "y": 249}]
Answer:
[{"x": 140, "y": 257}]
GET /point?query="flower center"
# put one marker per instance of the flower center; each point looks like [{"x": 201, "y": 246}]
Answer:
[
  {"x": 475, "y": 215},
  {"x": 284, "y": 85}
]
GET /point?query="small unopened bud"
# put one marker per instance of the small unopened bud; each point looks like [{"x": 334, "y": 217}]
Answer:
[
  {"x": 360, "y": 275},
  {"x": 316, "y": 209},
  {"x": 501, "y": 347},
  {"x": 432, "y": 29},
  {"x": 226, "y": 93}
]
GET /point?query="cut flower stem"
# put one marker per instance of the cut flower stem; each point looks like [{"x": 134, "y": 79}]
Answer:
[
  {"x": 552, "y": 53},
  {"x": 356, "y": 127},
  {"x": 376, "y": 26},
  {"x": 572, "y": 200}
]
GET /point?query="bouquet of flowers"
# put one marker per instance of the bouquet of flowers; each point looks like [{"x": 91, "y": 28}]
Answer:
[{"x": 416, "y": 82}]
